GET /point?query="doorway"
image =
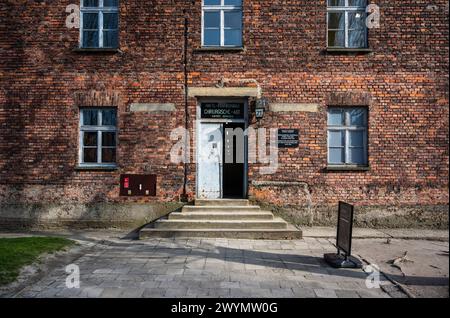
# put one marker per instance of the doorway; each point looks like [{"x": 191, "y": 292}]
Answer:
[{"x": 222, "y": 151}]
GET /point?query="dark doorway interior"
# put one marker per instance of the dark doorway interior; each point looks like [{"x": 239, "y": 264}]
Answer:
[{"x": 233, "y": 170}]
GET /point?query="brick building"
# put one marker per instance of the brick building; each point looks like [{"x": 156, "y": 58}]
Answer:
[{"x": 83, "y": 104}]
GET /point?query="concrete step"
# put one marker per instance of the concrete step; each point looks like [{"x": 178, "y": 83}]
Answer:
[
  {"x": 263, "y": 215},
  {"x": 218, "y": 208},
  {"x": 260, "y": 234},
  {"x": 276, "y": 223},
  {"x": 222, "y": 202}
]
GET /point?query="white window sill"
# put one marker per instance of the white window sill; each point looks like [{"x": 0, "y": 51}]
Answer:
[
  {"x": 97, "y": 167},
  {"x": 97, "y": 50},
  {"x": 347, "y": 168},
  {"x": 220, "y": 48}
]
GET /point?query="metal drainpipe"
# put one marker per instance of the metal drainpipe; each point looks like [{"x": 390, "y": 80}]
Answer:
[{"x": 186, "y": 105}]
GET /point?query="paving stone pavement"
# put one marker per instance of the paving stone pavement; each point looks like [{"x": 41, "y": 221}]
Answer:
[{"x": 221, "y": 268}]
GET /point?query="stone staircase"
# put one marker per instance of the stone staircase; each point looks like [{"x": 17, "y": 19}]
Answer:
[{"x": 224, "y": 218}]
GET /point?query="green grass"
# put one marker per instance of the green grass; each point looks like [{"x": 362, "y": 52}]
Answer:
[{"x": 18, "y": 252}]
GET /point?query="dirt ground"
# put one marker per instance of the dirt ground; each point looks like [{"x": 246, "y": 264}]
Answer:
[{"x": 424, "y": 273}]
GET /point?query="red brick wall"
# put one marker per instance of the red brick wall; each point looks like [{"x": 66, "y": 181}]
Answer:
[{"x": 406, "y": 77}]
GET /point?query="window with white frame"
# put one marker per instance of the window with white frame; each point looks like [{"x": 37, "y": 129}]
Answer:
[
  {"x": 347, "y": 136},
  {"x": 99, "y": 20},
  {"x": 347, "y": 24},
  {"x": 222, "y": 23},
  {"x": 98, "y": 136}
]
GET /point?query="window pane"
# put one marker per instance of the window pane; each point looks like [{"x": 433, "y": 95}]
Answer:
[
  {"x": 233, "y": 2},
  {"x": 90, "y": 117},
  {"x": 212, "y": 37},
  {"x": 90, "y": 139},
  {"x": 357, "y": 3},
  {"x": 233, "y": 37},
  {"x": 90, "y": 39},
  {"x": 110, "y": 3},
  {"x": 110, "y": 39},
  {"x": 90, "y": 3},
  {"x": 357, "y": 39},
  {"x": 90, "y": 21},
  {"x": 90, "y": 155},
  {"x": 211, "y": 19},
  {"x": 110, "y": 20},
  {"x": 336, "y": 138},
  {"x": 211, "y": 2},
  {"x": 109, "y": 139},
  {"x": 336, "y": 3},
  {"x": 358, "y": 117},
  {"x": 335, "y": 117},
  {"x": 108, "y": 155},
  {"x": 336, "y": 155},
  {"x": 356, "y": 138},
  {"x": 357, "y": 20},
  {"x": 356, "y": 156},
  {"x": 336, "y": 21},
  {"x": 233, "y": 19},
  {"x": 109, "y": 117},
  {"x": 336, "y": 38}
]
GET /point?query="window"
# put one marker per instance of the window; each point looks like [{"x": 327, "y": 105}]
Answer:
[
  {"x": 347, "y": 136},
  {"x": 99, "y": 22},
  {"x": 222, "y": 23},
  {"x": 347, "y": 24},
  {"x": 98, "y": 136}
]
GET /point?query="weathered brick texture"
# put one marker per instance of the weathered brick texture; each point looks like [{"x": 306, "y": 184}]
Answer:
[{"x": 403, "y": 82}]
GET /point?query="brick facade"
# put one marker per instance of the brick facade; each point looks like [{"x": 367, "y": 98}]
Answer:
[{"x": 403, "y": 81}]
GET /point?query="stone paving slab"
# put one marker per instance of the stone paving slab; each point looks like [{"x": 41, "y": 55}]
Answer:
[{"x": 222, "y": 268}]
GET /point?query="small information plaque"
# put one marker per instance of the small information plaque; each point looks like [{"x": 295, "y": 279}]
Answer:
[{"x": 288, "y": 138}]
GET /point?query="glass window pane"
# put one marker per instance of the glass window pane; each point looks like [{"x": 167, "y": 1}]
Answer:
[
  {"x": 108, "y": 155},
  {"x": 357, "y": 3},
  {"x": 90, "y": 117},
  {"x": 90, "y": 3},
  {"x": 356, "y": 156},
  {"x": 336, "y": 155},
  {"x": 336, "y": 3},
  {"x": 336, "y": 139},
  {"x": 233, "y": 2},
  {"x": 335, "y": 117},
  {"x": 110, "y": 3},
  {"x": 109, "y": 117},
  {"x": 110, "y": 39},
  {"x": 211, "y": 19},
  {"x": 356, "y": 138},
  {"x": 90, "y": 155},
  {"x": 211, "y": 2},
  {"x": 109, "y": 139},
  {"x": 233, "y": 19},
  {"x": 336, "y": 21},
  {"x": 358, "y": 117},
  {"x": 90, "y": 139},
  {"x": 233, "y": 37},
  {"x": 357, "y": 20},
  {"x": 336, "y": 38},
  {"x": 90, "y": 21},
  {"x": 90, "y": 39},
  {"x": 212, "y": 37},
  {"x": 110, "y": 20},
  {"x": 357, "y": 39}
]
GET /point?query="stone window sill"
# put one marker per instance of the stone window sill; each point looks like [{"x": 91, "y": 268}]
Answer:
[
  {"x": 96, "y": 50},
  {"x": 347, "y": 168},
  {"x": 219, "y": 49},
  {"x": 96, "y": 168},
  {"x": 348, "y": 50}
]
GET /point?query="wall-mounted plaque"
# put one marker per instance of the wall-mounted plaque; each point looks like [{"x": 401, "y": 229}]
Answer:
[
  {"x": 222, "y": 110},
  {"x": 288, "y": 138},
  {"x": 133, "y": 185}
]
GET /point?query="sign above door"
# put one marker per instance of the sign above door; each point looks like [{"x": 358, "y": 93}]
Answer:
[{"x": 222, "y": 110}]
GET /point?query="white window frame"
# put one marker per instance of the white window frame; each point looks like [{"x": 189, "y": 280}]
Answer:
[
  {"x": 347, "y": 9},
  {"x": 222, "y": 8},
  {"x": 100, "y": 10},
  {"x": 347, "y": 128},
  {"x": 99, "y": 129}
]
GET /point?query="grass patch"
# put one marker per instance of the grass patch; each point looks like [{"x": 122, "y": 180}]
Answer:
[{"x": 18, "y": 252}]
